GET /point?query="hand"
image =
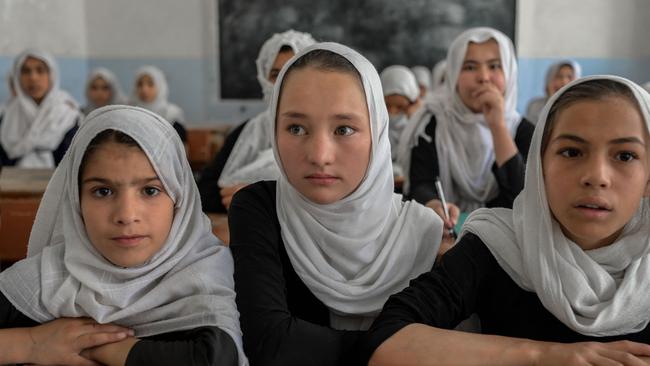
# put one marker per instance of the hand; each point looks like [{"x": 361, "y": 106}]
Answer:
[
  {"x": 227, "y": 193},
  {"x": 492, "y": 105},
  {"x": 446, "y": 243},
  {"x": 454, "y": 212},
  {"x": 594, "y": 353},
  {"x": 62, "y": 340}
]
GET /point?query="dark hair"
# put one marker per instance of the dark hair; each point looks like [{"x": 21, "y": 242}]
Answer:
[
  {"x": 599, "y": 89},
  {"x": 102, "y": 138},
  {"x": 286, "y": 48}
]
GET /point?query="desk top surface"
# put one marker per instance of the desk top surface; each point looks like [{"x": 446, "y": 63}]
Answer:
[{"x": 15, "y": 180}]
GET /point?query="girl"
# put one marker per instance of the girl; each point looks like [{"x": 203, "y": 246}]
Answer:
[
  {"x": 39, "y": 122},
  {"x": 473, "y": 138},
  {"x": 402, "y": 97},
  {"x": 318, "y": 252},
  {"x": 248, "y": 159},
  {"x": 151, "y": 92},
  {"x": 102, "y": 89},
  {"x": 569, "y": 263},
  {"x": 558, "y": 75},
  {"x": 120, "y": 239}
]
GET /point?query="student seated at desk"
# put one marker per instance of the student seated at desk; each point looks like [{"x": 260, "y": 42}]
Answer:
[
  {"x": 102, "y": 88},
  {"x": 122, "y": 266},
  {"x": 38, "y": 124},
  {"x": 473, "y": 139},
  {"x": 558, "y": 75},
  {"x": 319, "y": 251},
  {"x": 246, "y": 155},
  {"x": 562, "y": 273},
  {"x": 151, "y": 92}
]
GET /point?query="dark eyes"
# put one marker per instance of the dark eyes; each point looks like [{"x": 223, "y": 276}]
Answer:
[
  {"x": 341, "y": 130},
  {"x": 344, "y": 130},
  {"x": 296, "y": 130},
  {"x": 105, "y": 192},
  {"x": 102, "y": 192},
  {"x": 151, "y": 191},
  {"x": 624, "y": 156},
  {"x": 569, "y": 153}
]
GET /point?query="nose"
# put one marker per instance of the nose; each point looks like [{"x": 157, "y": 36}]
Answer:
[
  {"x": 126, "y": 210},
  {"x": 483, "y": 74},
  {"x": 321, "y": 149},
  {"x": 596, "y": 172}
]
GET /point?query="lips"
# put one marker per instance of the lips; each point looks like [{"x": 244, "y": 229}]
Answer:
[
  {"x": 128, "y": 240},
  {"x": 593, "y": 207},
  {"x": 322, "y": 179}
]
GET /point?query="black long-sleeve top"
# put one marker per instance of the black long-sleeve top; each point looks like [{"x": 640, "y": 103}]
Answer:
[
  {"x": 209, "y": 179},
  {"x": 282, "y": 321},
  {"x": 469, "y": 280},
  {"x": 200, "y": 346},
  {"x": 510, "y": 176},
  {"x": 57, "y": 154}
]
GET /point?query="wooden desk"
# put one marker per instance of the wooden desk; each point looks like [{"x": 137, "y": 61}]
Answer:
[
  {"x": 220, "y": 226},
  {"x": 20, "y": 194}
]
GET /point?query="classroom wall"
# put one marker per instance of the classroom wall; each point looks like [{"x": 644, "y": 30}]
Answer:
[{"x": 605, "y": 36}]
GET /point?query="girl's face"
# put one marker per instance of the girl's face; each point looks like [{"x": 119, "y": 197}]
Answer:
[
  {"x": 99, "y": 92},
  {"x": 481, "y": 70},
  {"x": 562, "y": 77},
  {"x": 146, "y": 89},
  {"x": 596, "y": 169},
  {"x": 126, "y": 211},
  {"x": 35, "y": 79},
  {"x": 397, "y": 104},
  {"x": 280, "y": 60},
  {"x": 323, "y": 133}
]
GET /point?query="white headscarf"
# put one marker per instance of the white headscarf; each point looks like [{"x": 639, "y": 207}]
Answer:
[
  {"x": 185, "y": 285},
  {"x": 438, "y": 74},
  {"x": 646, "y": 86},
  {"x": 352, "y": 254},
  {"x": 269, "y": 51},
  {"x": 400, "y": 80},
  {"x": 554, "y": 68},
  {"x": 117, "y": 95},
  {"x": 600, "y": 292},
  {"x": 463, "y": 139},
  {"x": 32, "y": 131},
  {"x": 423, "y": 76},
  {"x": 160, "y": 105},
  {"x": 251, "y": 159}
]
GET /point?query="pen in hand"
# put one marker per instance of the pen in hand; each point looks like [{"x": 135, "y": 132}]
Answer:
[{"x": 445, "y": 209}]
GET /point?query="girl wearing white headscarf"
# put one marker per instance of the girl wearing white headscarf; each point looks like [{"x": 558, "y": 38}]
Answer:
[
  {"x": 569, "y": 263},
  {"x": 151, "y": 92},
  {"x": 558, "y": 75},
  {"x": 246, "y": 156},
  {"x": 402, "y": 97},
  {"x": 102, "y": 80},
  {"x": 473, "y": 139},
  {"x": 39, "y": 122},
  {"x": 179, "y": 301},
  {"x": 311, "y": 271}
]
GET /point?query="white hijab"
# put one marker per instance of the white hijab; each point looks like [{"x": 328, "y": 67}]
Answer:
[
  {"x": 30, "y": 131},
  {"x": 187, "y": 284},
  {"x": 117, "y": 95},
  {"x": 423, "y": 76},
  {"x": 400, "y": 80},
  {"x": 463, "y": 139},
  {"x": 352, "y": 254},
  {"x": 438, "y": 74},
  {"x": 554, "y": 68},
  {"x": 160, "y": 105},
  {"x": 251, "y": 159},
  {"x": 600, "y": 292}
]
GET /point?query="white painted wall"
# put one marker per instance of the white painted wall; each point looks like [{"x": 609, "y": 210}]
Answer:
[
  {"x": 57, "y": 26},
  {"x": 583, "y": 28}
]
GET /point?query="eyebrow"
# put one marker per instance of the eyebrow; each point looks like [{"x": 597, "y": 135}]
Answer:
[
  {"x": 621, "y": 140},
  {"x": 110, "y": 182},
  {"x": 478, "y": 62},
  {"x": 341, "y": 116}
]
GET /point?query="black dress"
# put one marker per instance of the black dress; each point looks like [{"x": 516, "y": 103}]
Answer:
[
  {"x": 209, "y": 180},
  {"x": 469, "y": 280},
  {"x": 200, "y": 346},
  {"x": 510, "y": 176},
  {"x": 282, "y": 321}
]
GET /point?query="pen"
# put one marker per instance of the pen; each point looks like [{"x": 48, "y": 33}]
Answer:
[{"x": 445, "y": 209}]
